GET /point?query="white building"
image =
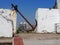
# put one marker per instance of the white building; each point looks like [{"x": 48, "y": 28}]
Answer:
[
  {"x": 7, "y": 22},
  {"x": 24, "y": 26},
  {"x": 47, "y": 20},
  {"x": 58, "y": 4}
]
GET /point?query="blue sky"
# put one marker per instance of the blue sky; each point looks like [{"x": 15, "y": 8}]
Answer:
[{"x": 27, "y": 7}]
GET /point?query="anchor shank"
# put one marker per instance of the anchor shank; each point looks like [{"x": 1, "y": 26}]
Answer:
[{"x": 25, "y": 19}]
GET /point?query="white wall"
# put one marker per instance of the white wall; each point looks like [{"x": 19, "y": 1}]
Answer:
[
  {"x": 47, "y": 19},
  {"x": 6, "y": 15},
  {"x": 58, "y": 4}
]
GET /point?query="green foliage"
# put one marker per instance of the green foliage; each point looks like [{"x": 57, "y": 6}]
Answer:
[{"x": 18, "y": 30}]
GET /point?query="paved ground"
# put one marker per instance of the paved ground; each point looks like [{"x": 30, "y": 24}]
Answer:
[
  {"x": 36, "y": 39},
  {"x": 35, "y": 36},
  {"x": 42, "y": 42},
  {"x": 40, "y": 39}
]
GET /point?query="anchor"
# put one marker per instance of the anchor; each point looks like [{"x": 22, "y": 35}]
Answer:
[{"x": 15, "y": 7}]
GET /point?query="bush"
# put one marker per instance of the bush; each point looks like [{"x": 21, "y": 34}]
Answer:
[{"x": 18, "y": 30}]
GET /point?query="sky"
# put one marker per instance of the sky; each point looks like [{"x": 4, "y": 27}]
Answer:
[{"x": 27, "y": 7}]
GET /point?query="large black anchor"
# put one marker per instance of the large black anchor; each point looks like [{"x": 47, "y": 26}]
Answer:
[{"x": 33, "y": 27}]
